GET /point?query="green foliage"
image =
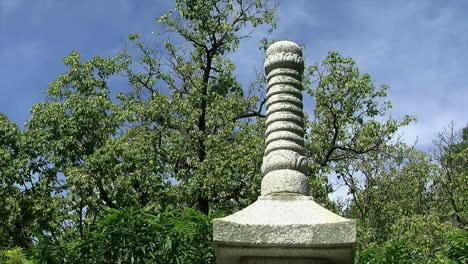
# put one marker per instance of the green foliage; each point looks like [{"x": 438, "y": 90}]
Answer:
[
  {"x": 345, "y": 132},
  {"x": 169, "y": 236},
  {"x": 394, "y": 253},
  {"x": 450, "y": 188},
  {"x": 457, "y": 247},
  {"x": 406, "y": 209},
  {"x": 419, "y": 239},
  {"x": 148, "y": 235},
  {"x": 13, "y": 256},
  {"x": 188, "y": 106},
  {"x": 183, "y": 134},
  {"x": 10, "y": 162},
  {"x": 400, "y": 172},
  {"x": 137, "y": 178},
  {"x": 26, "y": 202}
]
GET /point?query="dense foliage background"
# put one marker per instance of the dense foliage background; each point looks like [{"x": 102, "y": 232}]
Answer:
[{"x": 107, "y": 174}]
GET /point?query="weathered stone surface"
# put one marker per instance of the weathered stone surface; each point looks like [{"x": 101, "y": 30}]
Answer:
[
  {"x": 291, "y": 183},
  {"x": 280, "y": 260},
  {"x": 228, "y": 254},
  {"x": 284, "y": 164},
  {"x": 287, "y": 221},
  {"x": 284, "y": 225}
]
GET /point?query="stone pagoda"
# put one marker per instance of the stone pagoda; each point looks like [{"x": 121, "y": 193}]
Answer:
[{"x": 284, "y": 225}]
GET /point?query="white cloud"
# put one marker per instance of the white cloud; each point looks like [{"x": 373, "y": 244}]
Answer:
[{"x": 417, "y": 47}]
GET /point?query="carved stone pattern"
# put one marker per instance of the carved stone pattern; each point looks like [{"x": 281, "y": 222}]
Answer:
[
  {"x": 284, "y": 60},
  {"x": 284, "y": 161}
]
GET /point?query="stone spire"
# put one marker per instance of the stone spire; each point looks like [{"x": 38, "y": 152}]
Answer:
[
  {"x": 284, "y": 225},
  {"x": 284, "y": 165}
]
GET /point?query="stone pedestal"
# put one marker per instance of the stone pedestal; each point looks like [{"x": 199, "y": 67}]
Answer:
[
  {"x": 284, "y": 225},
  {"x": 267, "y": 260},
  {"x": 284, "y": 229}
]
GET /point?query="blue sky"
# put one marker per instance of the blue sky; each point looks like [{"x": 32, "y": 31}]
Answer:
[{"x": 419, "y": 48}]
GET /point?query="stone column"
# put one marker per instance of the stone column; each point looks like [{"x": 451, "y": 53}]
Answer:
[
  {"x": 284, "y": 165},
  {"x": 284, "y": 225}
]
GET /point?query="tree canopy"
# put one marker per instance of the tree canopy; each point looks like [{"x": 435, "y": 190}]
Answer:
[{"x": 104, "y": 174}]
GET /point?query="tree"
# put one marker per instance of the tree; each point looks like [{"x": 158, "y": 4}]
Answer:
[
  {"x": 75, "y": 122},
  {"x": 392, "y": 185},
  {"x": 129, "y": 235},
  {"x": 184, "y": 135},
  {"x": 404, "y": 208},
  {"x": 419, "y": 239},
  {"x": 451, "y": 154},
  {"x": 184, "y": 143},
  {"x": 13, "y": 256},
  {"x": 11, "y": 162},
  {"x": 345, "y": 132},
  {"x": 28, "y": 204},
  {"x": 189, "y": 105}
]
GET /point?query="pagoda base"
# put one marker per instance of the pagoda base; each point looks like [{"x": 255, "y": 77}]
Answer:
[{"x": 284, "y": 229}]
